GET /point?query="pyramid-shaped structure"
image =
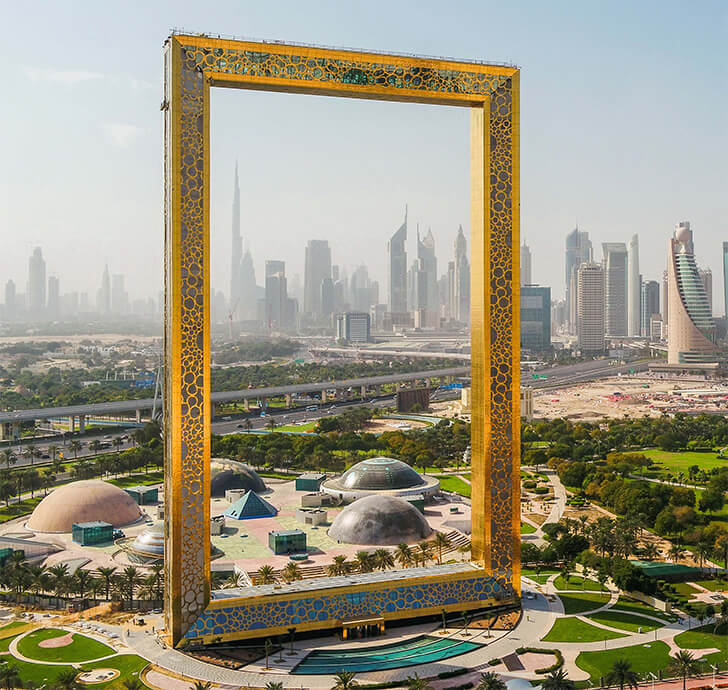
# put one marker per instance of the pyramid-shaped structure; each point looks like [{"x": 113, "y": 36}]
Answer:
[{"x": 250, "y": 505}]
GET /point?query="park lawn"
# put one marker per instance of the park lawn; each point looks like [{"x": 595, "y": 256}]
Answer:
[
  {"x": 577, "y": 602},
  {"x": 637, "y": 607},
  {"x": 5, "y": 643},
  {"x": 652, "y": 656},
  {"x": 454, "y": 485},
  {"x": 713, "y": 585},
  {"x": 577, "y": 582},
  {"x": 680, "y": 461},
  {"x": 542, "y": 577},
  {"x": 685, "y": 589},
  {"x": 137, "y": 479},
  {"x": 704, "y": 638},
  {"x": 129, "y": 665},
  {"x": 624, "y": 621},
  {"x": 24, "y": 507},
  {"x": 575, "y": 630},
  {"x": 526, "y": 528},
  {"x": 308, "y": 426},
  {"x": 82, "y": 648}
]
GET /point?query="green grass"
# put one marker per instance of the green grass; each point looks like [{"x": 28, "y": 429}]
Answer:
[
  {"x": 5, "y": 643},
  {"x": 82, "y": 648},
  {"x": 526, "y": 528},
  {"x": 575, "y": 630},
  {"x": 542, "y": 578},
  {"x": 684, "y": 589},
  {"x": 454, "y": 485},
  {"x": 276, "y": 475},
  {"x": 652, "y": 656},
  {"x": 577, "y": 602},
  {"x": 624, "y": 621},
  {"x": 679, "y": 462},
  {"x": 15, "y": 510},
  {"x": 577, "y": 582},
  {"x": 309, "y": 426},
  {"x": 129, "y": 666},
  {"x": 704, "y": 638},
  {"x": 637, "y": 607},
  {"x": 713, "y": 585},
  {"x": 138, "y": 479}
]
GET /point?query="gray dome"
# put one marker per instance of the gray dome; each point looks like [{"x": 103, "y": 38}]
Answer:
[
  {"x": 151, "y": 541},
  {"x": 380, "y": 520},
  {"x": 378, "y": 474},
  {"x": 243, "y": 477}
]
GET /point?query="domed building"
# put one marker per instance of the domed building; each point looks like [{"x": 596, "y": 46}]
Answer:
[
  {"x": 148, "y": 547},
  {"x": 89, "y": 500},
  {"x": 241, "y": 477},
  {"x": 382, "y": 477},
  {"x": 380, "y": 521}
]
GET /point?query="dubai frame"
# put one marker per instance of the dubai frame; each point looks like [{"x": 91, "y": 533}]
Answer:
[{"x": 194, "y": 64}]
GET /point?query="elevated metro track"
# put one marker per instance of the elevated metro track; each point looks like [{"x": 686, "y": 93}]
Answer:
[{"x": 121, "y": 407}]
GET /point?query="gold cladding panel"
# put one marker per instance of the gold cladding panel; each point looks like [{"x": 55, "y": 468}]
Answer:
[{"x": 192, "y": 65}]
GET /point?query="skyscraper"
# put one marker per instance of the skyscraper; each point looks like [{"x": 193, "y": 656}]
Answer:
[
  {"x": 526, "y": 277},
  {"x": 615, "y": 287},
  {"x": 119, "y": 296},
  {"x": 462, "y": 278},
  {"x": 103, "y": 297},
  {"x": 634, "y": 288},
  {"x": 54, "y": 298},
  {"x": 691, "y": 329},
  {"x": 236, "y": 250},
  {"x": 590, "y": 299},
  {"x": 317, "y": 268},
  {"x": 535, "y": 318},
  {"x": 398, "y": 271},
  {"x": 36, "y": 283},
  {"x": 427, "y": 295},
  {"x": 10, "y": 300},
  {"x": 706, "y": 276},
  {"x": 650, "y": 306},
  {"x": 578, "y": 251},
  {"x": 275, "y": 308},
  {"x": 248, "y": 289}
]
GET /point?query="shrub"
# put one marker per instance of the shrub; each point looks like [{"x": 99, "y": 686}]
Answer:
[
  {"x": 494, "y": 662},
  {"x": 537, "y": 650},
  {"x": 541, "y": 490},
  {"x": 453, "y": 673}
]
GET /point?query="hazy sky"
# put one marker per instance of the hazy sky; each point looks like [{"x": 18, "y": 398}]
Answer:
[{"x": 624, "y": 128}]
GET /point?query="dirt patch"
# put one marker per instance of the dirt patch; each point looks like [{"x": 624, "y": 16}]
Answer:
[{"x": 54, "y": 642}]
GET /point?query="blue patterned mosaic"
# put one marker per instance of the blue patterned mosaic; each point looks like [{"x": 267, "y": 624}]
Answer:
[{"x": 274, "y": 612}]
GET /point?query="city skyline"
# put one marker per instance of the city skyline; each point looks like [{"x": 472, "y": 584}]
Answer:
[{"x": 102, "y": 140}]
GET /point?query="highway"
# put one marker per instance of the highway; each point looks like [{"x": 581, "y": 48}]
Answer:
[
  {"x": 121, "y": 407},
  {"x": 580, "y": 372}
]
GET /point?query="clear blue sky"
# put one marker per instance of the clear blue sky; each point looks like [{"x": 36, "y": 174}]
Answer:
[{"x": 624, "y": 128}]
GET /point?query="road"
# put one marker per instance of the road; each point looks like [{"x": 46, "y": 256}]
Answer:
[{"x": 581, "y": 371}]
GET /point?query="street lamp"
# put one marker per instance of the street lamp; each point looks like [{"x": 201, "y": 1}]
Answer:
[
  {"x": 714, "y": 668},
  {"x": 654, "y": 678}
]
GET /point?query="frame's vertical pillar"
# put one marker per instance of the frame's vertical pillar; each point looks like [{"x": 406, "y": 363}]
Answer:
[
  {"x": 495, "y": 340},
  {"x": 187, "y": 343}
]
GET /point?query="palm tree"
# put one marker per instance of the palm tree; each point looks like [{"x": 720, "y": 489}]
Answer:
[
  {"x": 75, "y": 446},
  {"x": 117, "y": 443},
  {"x": 136, "y": 684},
  {"x": 30, "y": 452},
  {"x": 10, "y": 677},
  {"x": 158, "y": 574},
  {"x": 95, "y": 586},
  {"x": 557, "y": 680},
  {"x": 441, "y": 541},
  {"x": 417, "y": 683},
  {"x": 60, "y": 576},
  {"x": 463, "y": 549},
  {"x": 340, "y": 566},
  {"x": 345, "y": 681},
  {"x": 274, "y": 686},
  {"x": 403, "y": 554},
  {"x": 107, "y": 574},
  {"x": 8, "y": 457},
  {"x": 491, "y": 681},
  {"x": 676, "y": 552},
  {"x": 383, "y": 559},
  {"x": 129, "y": 579},
  {"x": 364, "y": 562},
  {"x": 622, "y": 674},
  {"x": 81, "y": 580},
  {"x": 684, "y": 664},
  {"x": 425, "y": 551},
  {"x": 650, "y": 552},
  {"x": 53, "y": 449},
  {"x": 292, "y": 572},
  {"x": 235, "y": 580},
  {"x": 703, "y": 551},
  {"x": 265, "y": 576}
]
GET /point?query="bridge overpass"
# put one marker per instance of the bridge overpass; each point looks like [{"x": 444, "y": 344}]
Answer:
[{"x": 10, "y": 421}]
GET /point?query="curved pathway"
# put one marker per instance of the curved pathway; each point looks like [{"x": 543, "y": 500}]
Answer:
[{"x": 13, "y": 649}]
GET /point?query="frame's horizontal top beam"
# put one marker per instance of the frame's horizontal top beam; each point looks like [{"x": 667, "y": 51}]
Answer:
[{"x": 333, "y": 72}]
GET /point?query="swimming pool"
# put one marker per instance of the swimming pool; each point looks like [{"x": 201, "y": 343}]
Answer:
[{"x": 419, "y": 650}]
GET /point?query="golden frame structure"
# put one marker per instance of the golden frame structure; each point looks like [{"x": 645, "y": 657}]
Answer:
[{"x": 193, "y": 64}]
